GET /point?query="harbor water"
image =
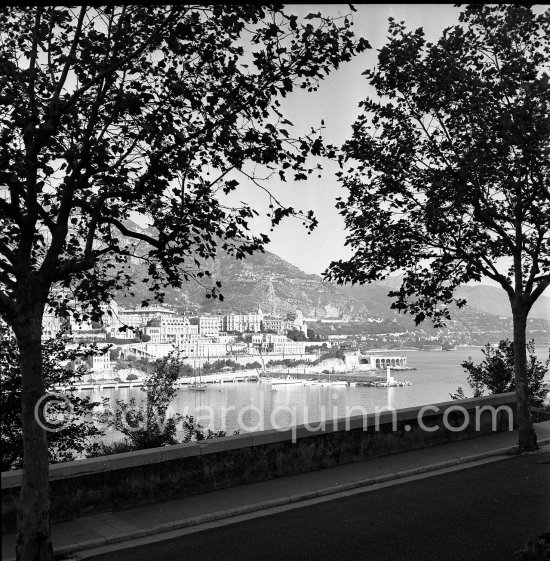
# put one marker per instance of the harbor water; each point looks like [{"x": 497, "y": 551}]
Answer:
[{"x": 254, "y": 406}]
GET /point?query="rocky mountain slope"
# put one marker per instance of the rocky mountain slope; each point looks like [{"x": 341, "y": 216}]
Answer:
[
  {"x": 268, "y": 281},
  {"x": 261, "y": 280}
]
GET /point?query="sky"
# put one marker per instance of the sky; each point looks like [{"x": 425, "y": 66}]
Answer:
[{"x": 335, "y": 102}]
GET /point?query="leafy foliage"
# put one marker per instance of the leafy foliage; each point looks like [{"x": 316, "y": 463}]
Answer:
[
  {"x": 147, "y": 425},
  {"x": 77, "y": 437},
  {"x": 496, "y": 373},
  {"x": 147, "y": 113},
  {"x": 448, "y": 171},
  {"x": 535, "y": 549},
  {"x": 111, "y": 113}
]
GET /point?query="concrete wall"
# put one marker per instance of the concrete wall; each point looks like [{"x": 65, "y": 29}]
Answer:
[{"x": 124, "y": 480}]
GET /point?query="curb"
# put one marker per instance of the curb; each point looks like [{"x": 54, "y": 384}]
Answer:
[{"x": 68, "y": 549}]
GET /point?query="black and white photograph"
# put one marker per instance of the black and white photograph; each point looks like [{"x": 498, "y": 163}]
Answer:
[{"x": 274, "y": 282}]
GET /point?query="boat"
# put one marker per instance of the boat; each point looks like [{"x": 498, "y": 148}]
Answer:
[
  {"x": 394, "y": 384},
  {"x": 200, "y": 387},
  {"x": 197, "y": 387},
  {"x": 286, "y": 381}
]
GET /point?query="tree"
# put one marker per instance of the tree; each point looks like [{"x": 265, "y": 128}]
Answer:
[
  {"x": 137, "y": 113},
  {"x": 446, "y": 345},
  {"x": 148, "y": 425},
  {"x": 496, "y": 372},
  {"x": 448, "y": 172},
  {"x": 75, "y": 438},
  {"x": 296, "y": 334}
]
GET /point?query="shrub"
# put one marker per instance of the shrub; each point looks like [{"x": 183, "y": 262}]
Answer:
[
  {"x": 147, "y": 426},
  {"x": 496, "y": 372},
  {"x": 67, "y": 444}
]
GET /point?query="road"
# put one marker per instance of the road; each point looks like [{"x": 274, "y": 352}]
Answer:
[{"x": 483, "y": 513}]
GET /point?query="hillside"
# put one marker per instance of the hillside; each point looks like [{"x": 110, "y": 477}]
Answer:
[
  {"x": 268, "y": 281},
  {"x": 494, "y": 301},
  {"x": 263, "y": 280},
  {"x": 489, "y": 299}
]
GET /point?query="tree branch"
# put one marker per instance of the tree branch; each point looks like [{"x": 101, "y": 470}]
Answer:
[
  {"x": 540, "y": 289},
  {"x": 72, "y": 100},
  {"x": 130, "y": 233},
  {"x": 70, "y": 57}
]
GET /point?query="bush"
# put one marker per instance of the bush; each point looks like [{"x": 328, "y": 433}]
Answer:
[
  {"x": 131, "y": 377},
  {"x": 537, "y": 549},
  {"x": 67, "y": 444},
  {"x": 185, "y": 370},
  {"x": 496, "y": 373},
  {"x": 147, "y": 426},
  {"x": 287, "y": 362},
  {"x": 107, "y": 449},
  {"x": 253, "y": 365},
  {"x": 219, "y": 364}
]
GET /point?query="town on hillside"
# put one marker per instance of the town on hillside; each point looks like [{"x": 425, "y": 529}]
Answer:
[{"x": 132, "y": 338}]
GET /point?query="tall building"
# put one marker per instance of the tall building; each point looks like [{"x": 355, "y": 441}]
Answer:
[
  {"x": 244, "y": 323},
  {"x": 208, "y": 326}
]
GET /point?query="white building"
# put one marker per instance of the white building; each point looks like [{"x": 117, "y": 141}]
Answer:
[
  {"x": 250, "y": 322},
  {"x": 295, "y": 321},
  {"x": 99, "y": 363},
  {"x": 274, "y": 344},
  {"x": 203, "y": 348},
  {"x": 176, "y": 330},
  {"x": 208, "y": 326},
  {"x": 136, "y": 319},
  {"x": 274, "y": 324},
  {"x": 289, "y": 347},
  {"x": 51, "y": 325}
]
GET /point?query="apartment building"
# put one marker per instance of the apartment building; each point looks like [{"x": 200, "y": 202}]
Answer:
[
  {"x": 274, "y": 324},
  {"x": 274, "y": 343},
  {"x": 171, "y": 329},
  {"x": 203, "y": 348},
  {"x": 208, "y": 326},
  {"x": 244, "y": 323}
]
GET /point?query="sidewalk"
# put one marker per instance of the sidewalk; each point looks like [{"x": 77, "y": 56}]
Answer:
[{"x": 113, "y": 527}]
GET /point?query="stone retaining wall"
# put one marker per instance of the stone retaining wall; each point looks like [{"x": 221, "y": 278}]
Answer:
[{"x": 124, "y": 480}]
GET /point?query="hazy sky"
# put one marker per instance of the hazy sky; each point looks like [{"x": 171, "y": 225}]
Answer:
[{"x": 336, "y": 102}]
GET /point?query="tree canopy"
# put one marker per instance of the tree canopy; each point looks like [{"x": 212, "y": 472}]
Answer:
[
  {"x": 113, "y": 113},
  {"x": 124, "y": 129},
  {"x": 495, "y": 372},
  {"x": 448, "y": 170}
]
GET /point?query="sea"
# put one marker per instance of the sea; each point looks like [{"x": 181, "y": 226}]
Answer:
[{"x": 252, "y": 406}]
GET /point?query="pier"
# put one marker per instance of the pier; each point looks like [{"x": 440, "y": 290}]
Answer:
[{"x": 246, "y": 376}]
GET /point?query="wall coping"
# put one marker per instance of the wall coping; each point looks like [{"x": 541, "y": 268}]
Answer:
[{"x": 112, "y": 462}]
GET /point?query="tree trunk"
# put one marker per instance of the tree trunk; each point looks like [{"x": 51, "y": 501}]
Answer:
[
  {"x": 526, "y": 432},
  {"x": 33, "y": 522}
]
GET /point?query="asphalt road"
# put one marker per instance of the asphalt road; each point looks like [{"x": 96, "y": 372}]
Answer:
[{"x": 483, "y": 513}]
